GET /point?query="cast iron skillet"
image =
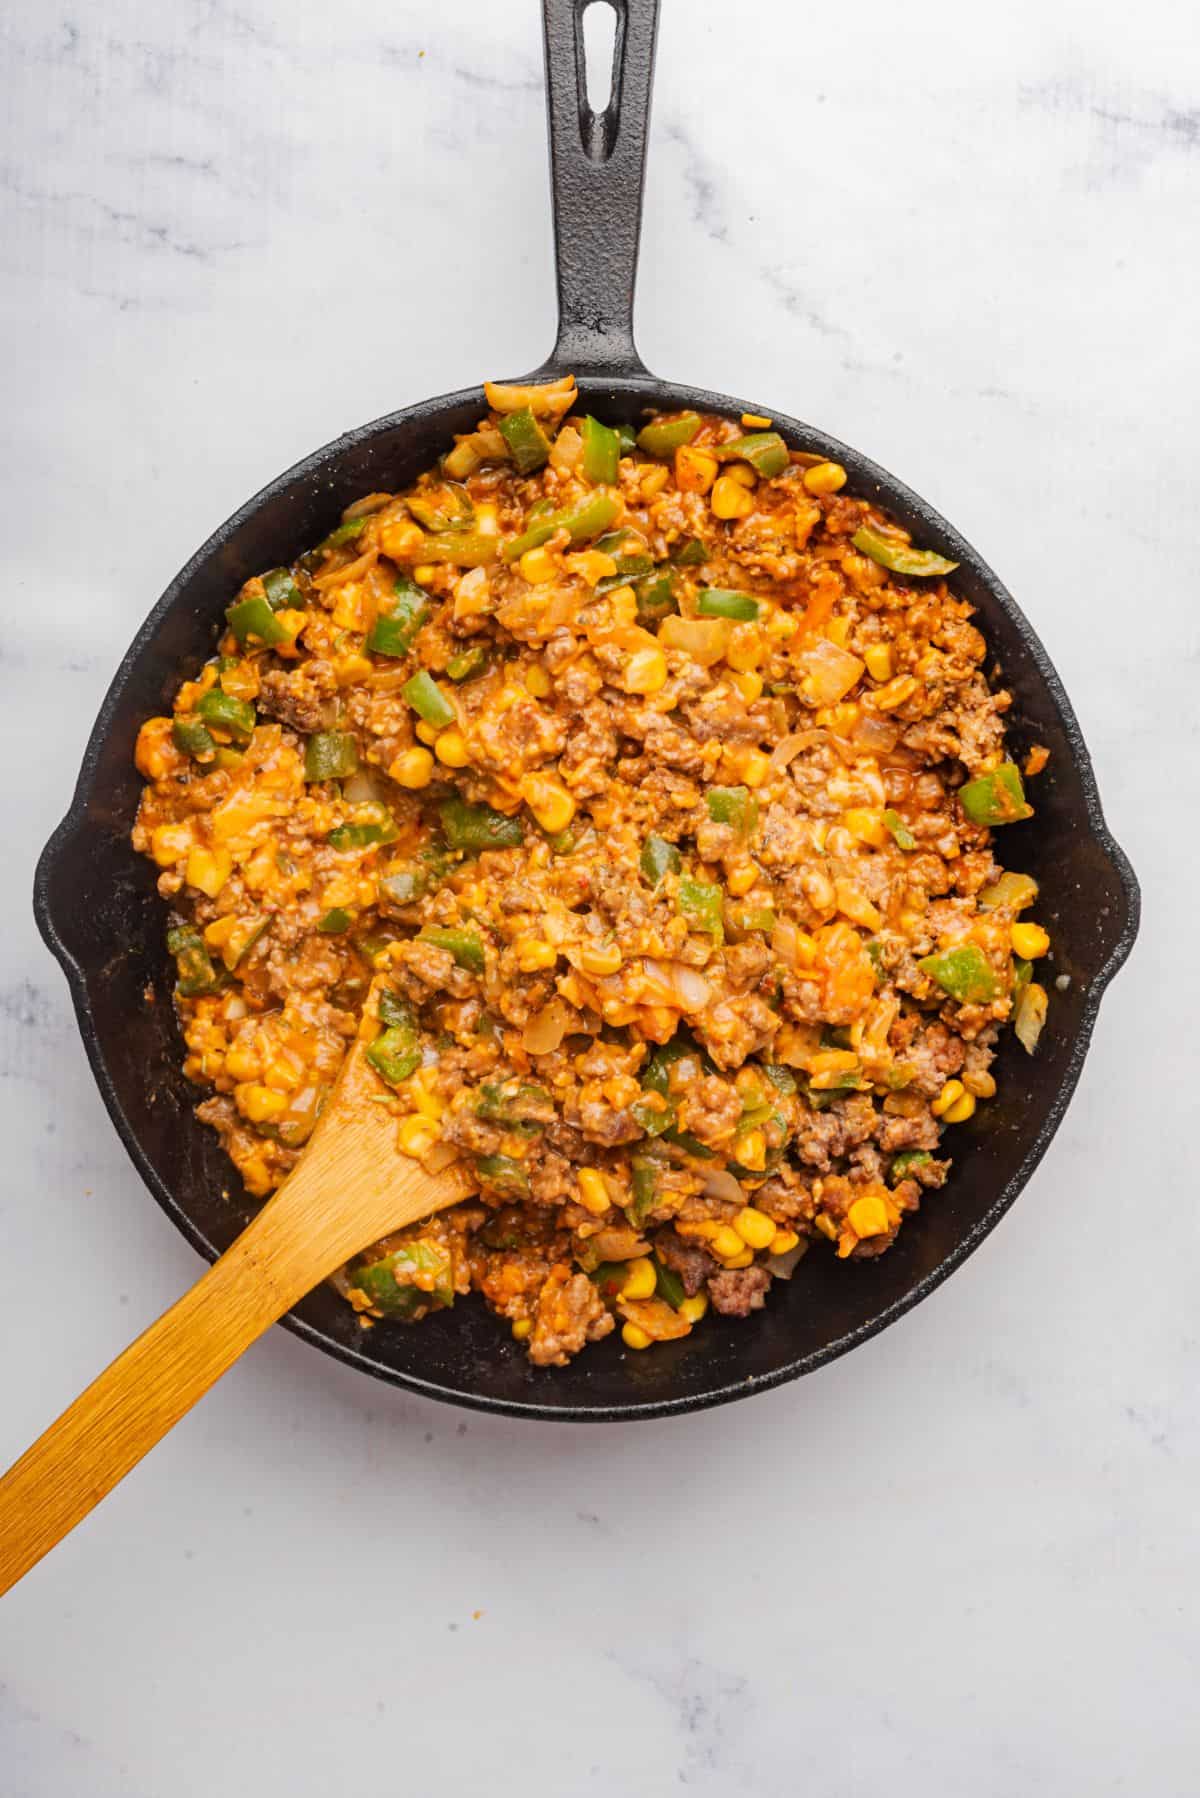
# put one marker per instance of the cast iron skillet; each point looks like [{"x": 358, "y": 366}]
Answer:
[{"x": 98, "y": 910}]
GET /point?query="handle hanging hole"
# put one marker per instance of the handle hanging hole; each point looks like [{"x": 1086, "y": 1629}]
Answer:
[{"x": 598, "y": 45}]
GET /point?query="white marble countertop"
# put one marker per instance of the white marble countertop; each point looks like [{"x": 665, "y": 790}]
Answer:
[{"x": 963, "y": 1559}]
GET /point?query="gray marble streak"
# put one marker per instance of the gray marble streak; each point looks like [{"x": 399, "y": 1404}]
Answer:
[{"x": 962, "y": 1560}]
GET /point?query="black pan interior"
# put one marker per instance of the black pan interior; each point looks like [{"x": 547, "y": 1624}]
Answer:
[{"x": 98, "y": 909}]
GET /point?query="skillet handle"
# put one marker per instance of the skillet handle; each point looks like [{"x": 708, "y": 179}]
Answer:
[{"x": 597, "y": 167}]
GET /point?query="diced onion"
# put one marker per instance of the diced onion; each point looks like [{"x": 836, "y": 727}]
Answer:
[
  {"x": 719, "y": 1183},
  {"x": 704, "y": 639},
  {"x": 545, "y": 1030},
  {"x": 678, "y": 985},
  {"x": 784, "y": 1266}
]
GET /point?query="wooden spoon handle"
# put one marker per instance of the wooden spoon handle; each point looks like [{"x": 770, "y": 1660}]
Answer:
[{"x": 133, "y": 1403}]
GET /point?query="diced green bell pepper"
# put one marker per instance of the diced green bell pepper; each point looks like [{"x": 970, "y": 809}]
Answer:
[
  {"x": 330, "y": 755},
  {"x": 464, "y": 945},
  {"x": 659, "y": 858},
  {"x": 724, "y": 602},
  {"x": 394, "y": 1056},
  {"x": 253, "y": 620},
  {"x": 655, "y": 595},
  {"x": 666, "y": 435},
  {"x": 336, "y": 922},
  {"x": 903, "y": 835},
  {"x": 462, "y": 549},
  {"x": 528, "y": 444},
  {"x": 996, "y": 798},
  {"x": 765, "y": 451},
  {"x": 601, "y": 452},
  {"x": 909, "y": 1158},
  {"x": 193, "y": 736},
  {"x": 645, "y": 1171},
  {"x": 581, "y": 524},
  {"x": 964, "y": 972},
  {"x": 668, "y": 1285},
  {"x": 393, "y": 633},
  {"x": 427, "y": 699},
  {"x": 444, "y": 508},
  {"x": 733, "y": 805},
  {"x": 690, "y": 554},
  {"x": 1012, "y": 891},
  {"x": 469, "y": 663},
  {"x": 701, "y": 903},
  {"x": 394, "y": 1012},
  {"x": 346, "y": 532},
  {"x": 224, "y": 712},
  {"x": 281, "y": 590},
  {"x": 501, "y": 1174},
  {"x": 363, "y": 833},
  {"x": 900, "y": 557},
  {"x": 196, "y": 970},
  {"x": 474, "y": 828},
  {"x": 416, "y": 1277},
  {"x": 781, "y": 1078}
]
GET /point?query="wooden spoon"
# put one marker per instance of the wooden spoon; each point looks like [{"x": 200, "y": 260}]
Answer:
[{"x": 351, "y": 1186}]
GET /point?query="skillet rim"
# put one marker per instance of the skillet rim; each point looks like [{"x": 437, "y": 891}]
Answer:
[{"x": 865, "y": 473}]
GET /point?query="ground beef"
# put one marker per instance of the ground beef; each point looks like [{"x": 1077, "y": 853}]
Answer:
[
  {"x": 710, "y": 1110},
  {"x": 305, "y": 699},
  {"x": 569, "y": 1313},
  {"x": 738, "y": 1291},
  {"x": 692, "y": 1263}
]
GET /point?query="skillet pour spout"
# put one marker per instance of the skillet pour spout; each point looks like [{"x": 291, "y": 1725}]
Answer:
[{"x": 100, "y": 914}]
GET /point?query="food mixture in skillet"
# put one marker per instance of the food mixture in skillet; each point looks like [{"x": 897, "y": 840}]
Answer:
[{"x": 658, "y": 777}]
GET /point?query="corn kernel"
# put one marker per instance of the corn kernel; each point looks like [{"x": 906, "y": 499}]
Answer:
[
  {"x": 1028, "y": 941},
  {"x": 645, "y": 671},
  {"x": 782, "y": 625},
  {"x": 826, "y": 477},
  {"x": 838, "y": 631},
  {"x": 522, "y": 1328},
  {"x": 755, "y": 768},
  {"x": 981, "y": 1084},
  {"x": 641, "y": 1280},
  {"x": 961, "y": 1110},
  {"x": 754, "y": 1227},
  {"x": 750, "y": 686},
  {"x": 694, "y": 1308},
  {"x": 745, "y": 649},
  {"x": 866, "y": 823},
  {"x": 241, "y": 1063},
  {"x": 741, "y": 879},
  {"x": 950, "y": 1094},
  {"x": 633, "y": 1335},
  {"x": 259, "y": 1103},
  {"x": 533, "y": 954},
  {"x": 593, "y": 1191},
  {"x": 208, "y": 869},
  {"x": 451, "y": 749},
  {"x": 826, "y": 1225},
  {"x": 754, "y": 421},
  {"x": 726, "y": 1242},
  {"x": 878, "y": 657},
  {"x": 742, "y": 473},
  {"x": 549, "y": 801},
  {"x": 487, "y": 518},
  {"x": 730, "y": 499},
  {"x": 895, "y": 693},
  {"x": 751, "y": 1150},
  {"x": 536, "y": 567},
  {"x": 654, "y": 480},
  {"x": 424, "y": 573},
  {"x": 783, "y": 1242},
  {"x": 413, "y": 769},
  {"x": 416, "y": 1136},
  {"x": 743, "y": 1260},
  {"x": 695, "y": 470},
  {"x": 537, "y": 681},
  {"x": 427, "y": 732},
  {"x": 868, "y": 1216},
  {"x": 599, "y": 959}
]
